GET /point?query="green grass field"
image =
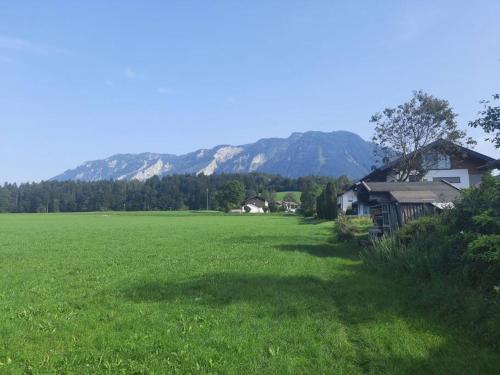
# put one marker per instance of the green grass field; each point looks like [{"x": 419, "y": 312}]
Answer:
[
  {"x": 162, "y": 293},
  {"x": 280, "y": 195}
]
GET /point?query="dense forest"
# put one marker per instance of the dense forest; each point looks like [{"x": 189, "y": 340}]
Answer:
[{"x": 177, "y": 192}]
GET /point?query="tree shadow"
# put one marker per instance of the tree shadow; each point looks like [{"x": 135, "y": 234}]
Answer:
[
  {"x": 327, "y": 250},
  {"x": 356, "y": 299},
  {"x": 220, "y": 289},
  {"x": 310, "y": 221},
  {"x": 331, "y": 248}
]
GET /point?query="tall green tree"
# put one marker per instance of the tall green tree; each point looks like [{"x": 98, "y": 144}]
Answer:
[
  {"x": 326, "y": 202},
  {"x": 330, "y": 202},
  {"x": 489, "y": 120},
  {"x": 231, "y": 195},
  {"x": 321, "y": 205},
  {"x": 311, "y": 190}
]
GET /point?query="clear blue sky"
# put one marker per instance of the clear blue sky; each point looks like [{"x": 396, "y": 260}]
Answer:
[{"x": 83, "y": 80}]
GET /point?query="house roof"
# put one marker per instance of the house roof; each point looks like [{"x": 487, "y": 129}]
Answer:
[
  {"x": 424, "y": 196},
  {"x": 415, "y": 192},
  {"x": 255, "y": 197},
  {"x": 471, "y": 153},
  {"x": 493, "y": 164},
  {"x": 351, "y": 187},
  {"x": 256, "y": 201}
]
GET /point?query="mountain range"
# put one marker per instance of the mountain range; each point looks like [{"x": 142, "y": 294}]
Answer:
[{"x": 301, "y": 154}]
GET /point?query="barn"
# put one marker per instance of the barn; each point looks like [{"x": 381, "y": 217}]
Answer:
[{"x": 393, "y": 204}]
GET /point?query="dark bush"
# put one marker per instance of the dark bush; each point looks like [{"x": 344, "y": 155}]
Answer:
[{"x": 482, "y": 259}]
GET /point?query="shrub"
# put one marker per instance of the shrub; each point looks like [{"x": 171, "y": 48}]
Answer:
[
  {"x": 346, "y": 229},
  {"x": 463, "y": 242},
  {"x": 384, "y": 251},
  {"x": 421, "y": 248},
  {"x": 482, "y": 258},
  {"x": 362, "y": 223}
]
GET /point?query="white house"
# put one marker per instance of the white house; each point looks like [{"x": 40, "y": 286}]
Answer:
[
  {"x": 461, "y": 167},
  {"x": 255, "y": 205},
  {"x": 349, "y": 201}
]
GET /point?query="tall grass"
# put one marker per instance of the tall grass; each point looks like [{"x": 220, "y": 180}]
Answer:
[
  {"x": 349, "y": 227},
  {"x": 422, "y": 248},
  {"x": 425, "y": 253}
]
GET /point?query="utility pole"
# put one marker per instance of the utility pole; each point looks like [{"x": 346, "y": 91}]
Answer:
[{"x": 207, "y": 199}]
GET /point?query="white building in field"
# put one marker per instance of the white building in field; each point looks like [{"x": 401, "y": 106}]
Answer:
[{"x": 255, "y": 205}]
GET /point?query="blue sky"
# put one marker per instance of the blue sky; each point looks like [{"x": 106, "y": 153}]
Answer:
[{"x": 84, "y": 80}]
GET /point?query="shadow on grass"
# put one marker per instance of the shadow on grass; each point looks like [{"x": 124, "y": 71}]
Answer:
[
  {"x": 327, "y": 250},
  {"x": 331, "y": 248},
  {"x": 379, "y": 317},
  {"x": 310, "y": 220}
]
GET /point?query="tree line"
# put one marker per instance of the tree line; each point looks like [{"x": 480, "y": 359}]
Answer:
[
  {"x": 319, "y": 198},
  {"x": 178, "y": 192}
]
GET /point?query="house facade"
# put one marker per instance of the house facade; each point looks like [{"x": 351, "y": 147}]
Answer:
[
  {"x": 348, "y": 202},
  {"x": 457, "y": 165},
  {"x": 442, "y": 160},
  {"x": 255, "y": 205}
]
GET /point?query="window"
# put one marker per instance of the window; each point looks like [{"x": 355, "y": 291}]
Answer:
[
  {"x": 434, "y": 160},
  {"x": 451, "y": 180}
]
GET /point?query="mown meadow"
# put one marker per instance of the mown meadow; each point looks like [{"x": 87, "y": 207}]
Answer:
[{"x": 156, "y": 293}]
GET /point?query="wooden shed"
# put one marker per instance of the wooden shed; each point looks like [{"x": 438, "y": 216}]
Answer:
[{"x": 393, "y": 204}]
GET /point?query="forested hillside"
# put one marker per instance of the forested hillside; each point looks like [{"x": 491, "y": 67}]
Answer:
[{"x": 168, "y": 193}]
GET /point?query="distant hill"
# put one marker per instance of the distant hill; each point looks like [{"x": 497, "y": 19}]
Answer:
[{"x": 302, "y": 154}]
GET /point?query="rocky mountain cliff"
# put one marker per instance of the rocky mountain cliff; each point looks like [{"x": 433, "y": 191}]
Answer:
[{"x": 302, "y": 154}]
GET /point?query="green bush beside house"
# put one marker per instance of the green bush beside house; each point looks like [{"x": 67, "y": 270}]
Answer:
[{"x": 463, "y": 242}]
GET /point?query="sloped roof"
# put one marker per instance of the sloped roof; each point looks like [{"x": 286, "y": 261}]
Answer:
[
  {"x": 256, "y": 201},
  {"x": 458, "y": 148},
  {"x": 415, "y": 192},
  {"x": 255, "y": 197},
  {"x": 424, "y": 196},
  {"x": 494, "y": 164}
]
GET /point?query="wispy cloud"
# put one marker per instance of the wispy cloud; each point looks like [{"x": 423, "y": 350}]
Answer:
[
  {"x": 130, "y": 73},
  {"x": 108, "y": 82},
  {"x": 165, "y": 91},
  {"x": 23, "y": 45}
]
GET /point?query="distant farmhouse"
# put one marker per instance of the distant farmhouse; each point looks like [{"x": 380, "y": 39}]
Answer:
[
  {"x": 288, "y": 205},
  {"x": 255, "y": 205},
  {"x": 391, "y": 204}
]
